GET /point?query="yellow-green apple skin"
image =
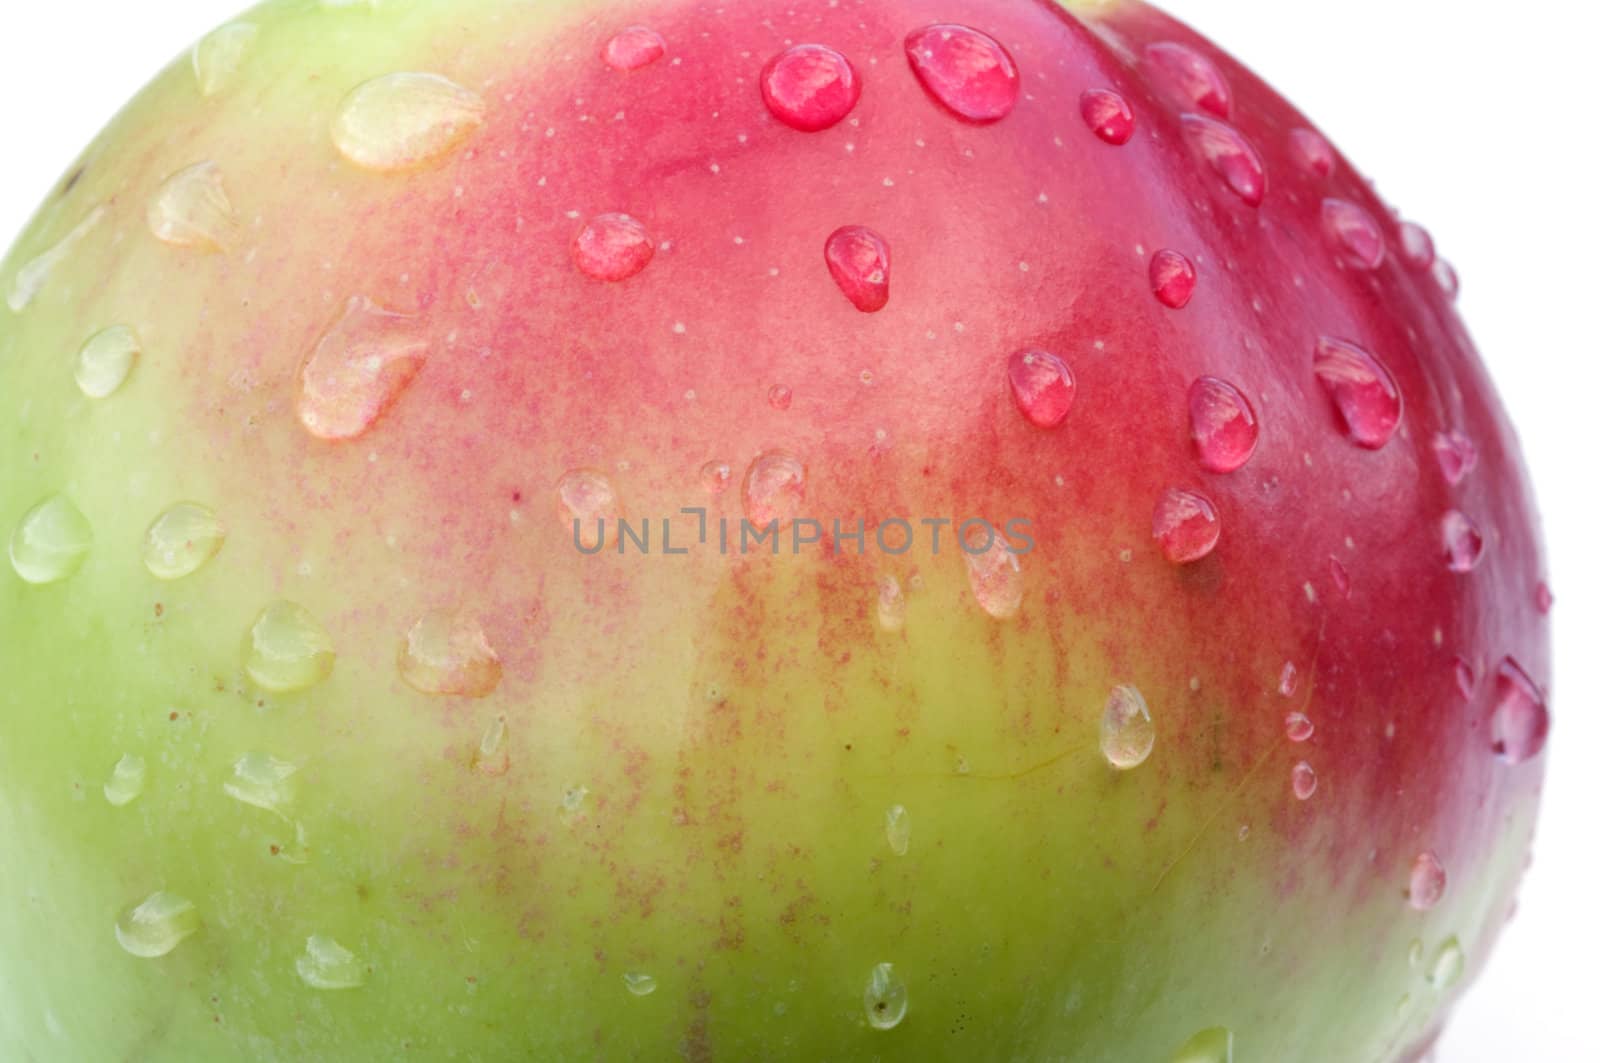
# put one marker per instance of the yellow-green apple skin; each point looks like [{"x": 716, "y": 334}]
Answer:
[{"x": 356, "y": 755}]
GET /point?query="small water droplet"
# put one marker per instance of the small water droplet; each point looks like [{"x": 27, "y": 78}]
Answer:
[
  {"x": 1445, "y": 276},
  {"x": 1427, "y": 882},
  {"x": 1457, "y": 455},
  {"x": 810, "y": 87},
  {"x": 105, "y": 360},
  {"x": 157, "y": 925},
  {"x": 1222, "y": 424},
  {"x": 1353, "y": 232},
  {"x": 1543, "y": 598},
  {"x": 1297, "y": 727},
  {"x": 180, "y": 541},
  {"x": 405, "y": 120},
  {"x": 613, "y": 247},
  {"x": 447, "y": 653},
  {"x": 774, "y": 489},
  {"x": 1340, "y": 576},
  {"x": 1463, "y": 543},
  {"x": 995, "y": 576},
  {"x": 1172, "y": 278},
  {"x": 590, "y": 504},
  {"x": 262, "y": 781},
  {"x": 633, "y": 47},
  {"x": 715, "y": 476},
  {"x": 286, "y": 650},
  {"x": 1362, "y": 390},
  {"x": 358, "y": 369},
  {"x": 886, "y": 998},
  {"x": 1208, "y": 1046},
  {"x": 126, "y": 781},
  {"x": 1521, "y": 721},
  {"x": 1311, "y": 152},
  {"x": 1230, "y": 156},
  {"x": 1188, "y": 78},
  {"x": 51, "y": 541},
  {"x": 891, "y": 604},
  {"x": 1303, "y": 779},
  {"x": 1127, "y": 734},
  {"x": 897, "y": 828},
  {"x": 1107, "y": 113},
  {"x": 572, "y": 799},
  {"x": 1448, "y": 965},
  {"x": 1466, "y": 677},
  {"x": 1288, "y": 679},
  {"x": 216, "y": 56},
  {"x": 30, "y": 279},
  {"x": 858, "y": 260},
  {"x": 191, "y": 209},
  {"x": 639, "y": 983},
  {"x": 492, "y": 757},
  {"x": 1042, "y": 386},
  {"x": 780, "y": 397},
  {"x": 326, "y": 964},
  {"x": 1186, "y": 525},
  {"x": 1414, "y": 952},
  {"x": 967, "y": 71},
  {"x": 1416, "y": 246}
]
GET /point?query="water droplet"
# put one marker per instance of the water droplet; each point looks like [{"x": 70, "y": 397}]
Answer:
[
  {"x": 446, "y": 652},
  {"x": 262, "y": 781},
  {"x": 1043, "y": 387},
  {"x": 858, "y": 259},
  {"x": 181, "y": 540},
  {"x": 1427, "y": 882},
  {"x": 403, "y": 121},
  {"x": 1416, "y": 246},
  {"x": 995, "y": 576},
  {"x": 1208, "y": 1046},
  {"x": 157, "y": 925},
  {"x": 1444, "y": 275},
  {"x": 30, "y": 279},
  {"x": 286, "y": 650},
  {"x": 191, "y": 209},
  {"x": 1447, "y": 966},
  {"x": 572, "y": 799},
  {"x": 1303, "y": 778},
  {"x": 886, "y": 999},
  {"x": 1543, "y": 598},
  {"x": 1288, "y": 679},
  {"x": 1463, "y": 543},
  {"x": 1108, "y": 114},
  {"x": 891, "y": 604},
  {"x": 1353, "y": 232},
  {"x": 105, "y": 360},
  {"x": 774, "y": 489},
  {"x": 810, "y": 87},
  {"x": 1172, "y": 278},
  {"x": 1414, "y": 952},
  {"x": 1457, "y": 455},
  {"x": 358, "y": 369},
  {"x": 1188, "y": 78},
  {"x": 50, "y": 541},
  {"x": 1521, "y": 720},
  {"x": 969, "y": 72},
  {"x": 216, "y": 56},
  {"x": 1127, "y": 734},
  {"x": 1230, "y": 156},
  {"x": 1222, "y": 424},
  {"x": 126, "y": 781},
  {"x": 1466, "y": 677},
  {"x": 639, "y": 983},
  {"x": 897, "y": 828},
  {"x": 1297, "y": 727},
  {"x": 780, "y": 397},
  {"x": 492, "y": 757},
  {"x": 1362, "y": 390},
  {"x": 613, "y": 247},
  {"x": 1186, "y": 525},
  {"x": 590, "y": 504},
  {"x": 633, "y": 47},
  {"x": 326, "y": 964},
  {"x": 1311, "y": 152},
  {"x": 715, "y": 476}
]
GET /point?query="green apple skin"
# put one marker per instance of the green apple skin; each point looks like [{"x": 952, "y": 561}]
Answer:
[{"x": 699, "y": 752}]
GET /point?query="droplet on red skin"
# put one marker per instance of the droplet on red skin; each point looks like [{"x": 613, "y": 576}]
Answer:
[
  {"x": 1303, "y": 780},
  {"x": 1340, "y": 577},
  {"x": 1457, "y": 455},
  {"x": 613, "y": 247},
  {"x": 779, "y": 397},
  {"x": 1521, "y": 721},
  {"x": 1186, "y": 525},
  {"x": 1108, "y": 114},
  {"x": 969, "y": 72},
  {"x": 1172, "y": 278},
  {"x": 1543, "y": 599},
  {"x": 810, "y": 87},
  {"x": 1444, "y": 275},
  {"x": 1311, "y": 152},
  {"x": 634, "y": 47},
  {"x": 858, "y": 259},
  {"x": 1466, "y": 677},
  {"x": 1428, "y": 882},
  {"x": 1042, "y": 386},
  {"x": 1463, "y": 543},
  {"x": 1353, "y": 232},
  {"x": 1416, "y": 246},
  {"x": 1222, "y": 424},
  {"x": 1188, "y": 77},
  {"x": 1363, "y": 392},
  {"x": 1229, "y": 155}
]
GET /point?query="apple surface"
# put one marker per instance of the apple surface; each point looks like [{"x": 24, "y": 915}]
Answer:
[{"x": 747, "y": 531}]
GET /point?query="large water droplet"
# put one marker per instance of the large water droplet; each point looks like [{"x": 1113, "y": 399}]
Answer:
[
  {"x": 1311, "y": 152},
  {"x": 1186, "y": 525},
  {"x": 216, "y": 56},
  {"x": 50, "y": 541},
  {"x": 192, "y": 209},
  {"x": 127, "y": 780},
  {"x": 105, "y": 360},
  {"x": 1353, "y": 232},
  {"x": 402, "y": 121},
  {"x": 1108, "y": 114},
  {"x": 858, "y": 259},
  {"x": 613, "y": 247},
  {"x": 1297, "y": 727},
  {"x": 181, "y": 540},
  {"x": 639, "y": 983},
  {"x": 1172, "y": 278},
  {"x": 633, "y": 47},
  {"x": 286, "y": 650},
  {"x": 1427, "y": 882},
  {"x": 891, "y": 604},
  {"x": 969, "y": 72},
  {"x": 1448, "y": 965},
  {"x": 1188, "y": 78},
  {"x": 1222, "y": 424},
  {"x": 1416, "y": 246},
  {"x": 446, "y": 652},
  {"x": 326, "y": 964},
  {"x": 262, "y": 781},
  {"x": 1457, "y": 455},
  {"x": 1230, "y": 156},
  {"x": 358, "y": 369},
  {"x": 1463, "y": 543},
  {"x": 1042, "y": 386},
  {"x": 810, "y": 87},
  {"x": 1208, "y": 1046},
  {"x": 1521, "y": 721},
  {"x": 774, "y": 489},
  {"x": 590, "y": 508},
  {"x": 1362, "y": 390},
  {"x": 995, "y": 576},
  {"x": 1303, "y": 780},
  {"x": 157, "y": 925},
  {"x": 886, "y": 998},
  {"x": 897, "y": 829},
  {"x": 492, "y": 757},
  {"x": 1127, "y": 734},
  {"x": 30, "y": 279}
]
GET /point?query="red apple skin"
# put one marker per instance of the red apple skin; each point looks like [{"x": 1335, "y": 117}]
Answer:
[{"x": 734, "y": 727}]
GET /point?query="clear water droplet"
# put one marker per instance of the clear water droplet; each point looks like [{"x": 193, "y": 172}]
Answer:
[
  {"x": 1521, "y": 722},
  {"x": 897, "y": 829},
  {"x": 780, "y": 397},
  {"x": 639, "y": 983},
  {"x": 1416, "y": 246},
  {"x": 1043, "y": 387},
  {"x": 51, "y": 541},
  {"x": 326, "y": 964},
  {"x": 447, "y": 653},
  {"x": 157, "y": 925},
  {"x": 492, "y": 757},
  {"x": 715, "y": 476},
  {"x": 1214, "y": 1045},
  {"x": 1445, "y": 276},
  {"x": 1188, "y": 78},
  {"x": 1362, "y": 390},
  {"x": 1311, "y": 152},
  {"x": 634, "y": 47},
  {"x": 358, "y": 369},
  {"x": 810, "y": 87},
  {"x": 1463, "y": 543},
  {"x": 191, "y": 209},
  {"x": 1297, "y": 727},
  {"x": 891, "y": 604},
  {"x": 774, "y": 489},
  {"x": 180, "y": 541},
  {"x": 127, "y": 780},
  {"x": 216, "y": 57},
  {"x": 1127, "y": 734},
  {"x": 31, "y": 278},
  {"x": 1172, "y": 278},
  {"x": 1222, "y": 424},
  {"x": 286, "y": 650},
  {"x": 105, "y": 360},
  {"x": 1186, "y": 525},
  {"x": 966, "y": 71},
  {"x": 262, "y": 781},
  {"x": 995, "y": 576},
  {"x": 613, "y": 247},
  {"x": 590, "y": 505},
  {"x": 1354, "y": 233},
  {"x": 1303, "y": 780},
  {"x": 1427, "y": 882},
  {"x": 1457, "y": 455},
  {"x": 886, "y": 998},
  {"x": 404, "y": 121},
  {"x": 1288, "y": 679},
  {"x": 1466, "y": 677},
  {"x": 858, "y": 260},
  {"x": 1449, "y": 962},
  {"x": 1107, "y": 113},
  {"x": 1229, "y": 155}
]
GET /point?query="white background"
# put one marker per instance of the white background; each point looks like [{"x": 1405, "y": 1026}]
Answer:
[{"x": 1475, "y": 120}]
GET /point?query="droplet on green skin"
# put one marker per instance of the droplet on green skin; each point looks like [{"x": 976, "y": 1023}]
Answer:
[
  {"x": 105, "y": 360},
  {"x": 127, "y": 780},
  {"x": 639, "y": 984},
  {"x": 191, "y": 209},
  {"x": 1127, "y": 734},
  {"x": 897, "y": 828},
  {"x": 286, "y": 650},
  {"x": 405, "y": 120},
  {"x": 326, "y": 964},
  {"x": 157, "y": 925},
  {"x": 1214, "y": 1045},
  {"x": 50, "y": 541},
  {"x": 1447, "y": 966},
  {"x": 32, "y": 277},
  {"x": 217, "y": 56},
  {"x": 447, "y": 653},
  {"x": 886, "y": 999},
  {"x": 181, "y": 541},
  {"x": 263, "y": 781}
]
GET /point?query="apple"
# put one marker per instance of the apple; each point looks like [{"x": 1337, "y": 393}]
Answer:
[{"x": 782, "y": 531}]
